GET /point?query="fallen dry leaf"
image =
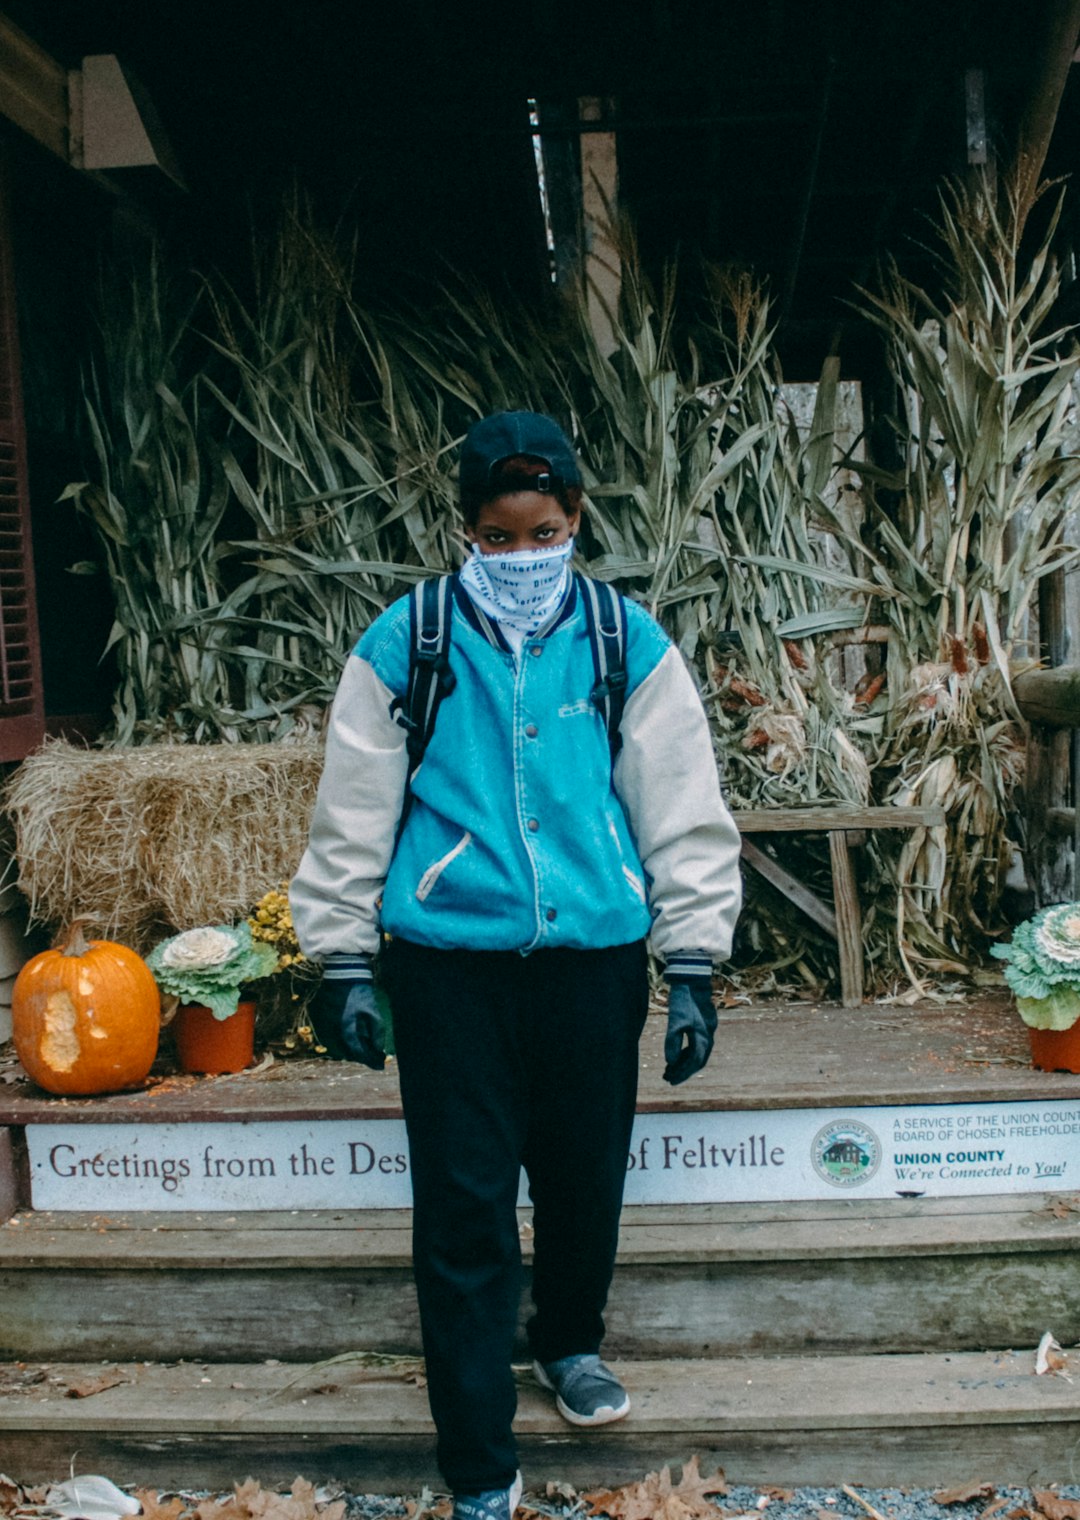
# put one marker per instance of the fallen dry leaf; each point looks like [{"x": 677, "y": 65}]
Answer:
[
  {"x": 657, "y": 1498},
  {"x": 963, "y": 1493},
  {"x": 250, "y": 1501},
  {"x": 1049, "y": 1357},
  {"x": 233, "y": 1508},
  {"x": 1054, "y": 1507},
  {"x": 155, "y": 1508},
  {"x": 89, "y": 1386},
  {"x": 994, "y": 1507},
  {"x": 561, "y": 1491},
  {"x": 1061, "y": 1208},
  {"x": 11, "y": 1495}
]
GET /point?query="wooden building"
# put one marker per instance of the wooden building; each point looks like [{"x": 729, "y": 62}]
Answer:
[{"x": 801, "y": 139}]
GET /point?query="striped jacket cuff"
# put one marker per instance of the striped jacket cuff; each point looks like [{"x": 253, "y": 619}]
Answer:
[
  {"x": 348, "y": 968},
  {"x": 688, "y": 966}
]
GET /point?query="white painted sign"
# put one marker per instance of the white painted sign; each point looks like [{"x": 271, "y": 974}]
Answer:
[{"x": 936, "y": 1150}]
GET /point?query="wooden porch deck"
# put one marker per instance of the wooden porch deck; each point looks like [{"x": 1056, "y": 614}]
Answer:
[{"x": 767, "y": 1056}]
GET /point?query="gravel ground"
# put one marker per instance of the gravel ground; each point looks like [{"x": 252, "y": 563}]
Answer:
[
  {"x": 797, "y": 1504},
  {"x": 740, "y": 1502},
  {"x": 893, "y": 1503}
]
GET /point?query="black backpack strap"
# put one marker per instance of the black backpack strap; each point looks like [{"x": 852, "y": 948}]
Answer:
[
  {"x": 605, "y": 616},
  {"x": 430, "y": 676}
]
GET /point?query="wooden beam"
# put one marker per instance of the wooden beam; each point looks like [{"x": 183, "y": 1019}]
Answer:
[
  {"x": 9, "y": 1177},
  {"x": 562, "y": 177},
  {"x": 33, "y": 89},
  {"x": 978, "y": 149},
  {"x": 848, "y": 921},
  {"x": 599, "y": 199},
  {"x": 1050, "y": 865},
  {"x": 1046, "y": 790},
  {"x": 1053, "y": 616},
  {"x": 813, "y": 820},
  {"x": 22, "y": 705},
  {"x": 1055, "y": 48},
  {"x": 1050, "y": 696}
]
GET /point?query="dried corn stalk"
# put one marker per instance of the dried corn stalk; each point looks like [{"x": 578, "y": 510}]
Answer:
[{"x": 327, "y": 428}]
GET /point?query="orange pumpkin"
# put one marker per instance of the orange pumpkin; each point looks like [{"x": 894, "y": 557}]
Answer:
[{"x": 85, "y": 1017}]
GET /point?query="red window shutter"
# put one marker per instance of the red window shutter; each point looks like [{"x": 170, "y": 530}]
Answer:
[{"x": 22, "y": 713}]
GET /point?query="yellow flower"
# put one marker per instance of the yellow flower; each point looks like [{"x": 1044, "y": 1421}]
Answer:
[{"x": 271, "y": 921}]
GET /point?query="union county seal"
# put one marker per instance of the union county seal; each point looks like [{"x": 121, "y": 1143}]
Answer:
[{"x": 846, "y": 1153}]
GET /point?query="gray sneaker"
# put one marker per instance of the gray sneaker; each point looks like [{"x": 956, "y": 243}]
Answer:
[
  {"x": 586, "y": 1391},
  {"x": 492, "y": 1504}
]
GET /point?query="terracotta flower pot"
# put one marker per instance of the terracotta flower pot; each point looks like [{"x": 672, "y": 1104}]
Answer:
[
  {"x": 1056, "y": 1049},
  {"x": 214, "y": 1046}
]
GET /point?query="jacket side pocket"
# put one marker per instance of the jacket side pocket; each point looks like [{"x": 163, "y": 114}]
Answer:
[{"x": 431, "y": 875}]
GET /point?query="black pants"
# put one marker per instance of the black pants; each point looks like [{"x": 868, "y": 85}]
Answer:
[{"x": 510, "y": 1060}]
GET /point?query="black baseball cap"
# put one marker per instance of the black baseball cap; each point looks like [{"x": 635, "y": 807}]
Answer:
[{"x": 504, "y": 434}]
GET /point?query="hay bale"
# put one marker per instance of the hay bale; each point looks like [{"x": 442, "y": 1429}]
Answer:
[{"x": 146, "y": 841}]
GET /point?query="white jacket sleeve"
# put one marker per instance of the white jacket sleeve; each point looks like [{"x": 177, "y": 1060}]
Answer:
[
  {"x": 334, "y": 893},
  {"x": 667, "y": 781}
]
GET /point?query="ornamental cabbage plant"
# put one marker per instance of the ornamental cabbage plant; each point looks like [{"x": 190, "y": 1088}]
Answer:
[
  {"x": 1044, "y": 967},
  {"x": 210, "y": 965}
]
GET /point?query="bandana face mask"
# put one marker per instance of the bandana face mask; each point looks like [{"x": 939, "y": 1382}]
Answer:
[{"x": 522, "y": 590}]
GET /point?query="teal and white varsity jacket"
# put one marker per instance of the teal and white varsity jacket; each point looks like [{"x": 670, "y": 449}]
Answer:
[{"x": 521, "y": 835}]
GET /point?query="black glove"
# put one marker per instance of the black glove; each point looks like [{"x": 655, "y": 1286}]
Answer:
[
  {"x": 345, "y": 1015},
  {"x": 690, "y": 1029}
]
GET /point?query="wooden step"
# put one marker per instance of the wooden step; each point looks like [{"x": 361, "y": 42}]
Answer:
[
  {"x": 836, "y": 1277},
  {"x": 768, "y": 1056},
  {"x": 878, "y": 1421},
  {"x": 929, "y": 1102}
]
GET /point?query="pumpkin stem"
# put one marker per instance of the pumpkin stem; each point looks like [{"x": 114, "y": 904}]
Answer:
[{"x": 76, "y": 942}]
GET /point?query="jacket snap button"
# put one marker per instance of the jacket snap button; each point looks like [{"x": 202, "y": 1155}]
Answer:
[
  {"x": 533, "y": 825},
  {"x": 537, "y": 649},
  {"x": 531, "y": 731},
  {"x": 551, "y": 915}
]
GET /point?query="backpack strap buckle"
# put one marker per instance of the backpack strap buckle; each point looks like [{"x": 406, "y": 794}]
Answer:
[
  {"x": 613, "y": 684},
  {"x": 436, "y": 662}
]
